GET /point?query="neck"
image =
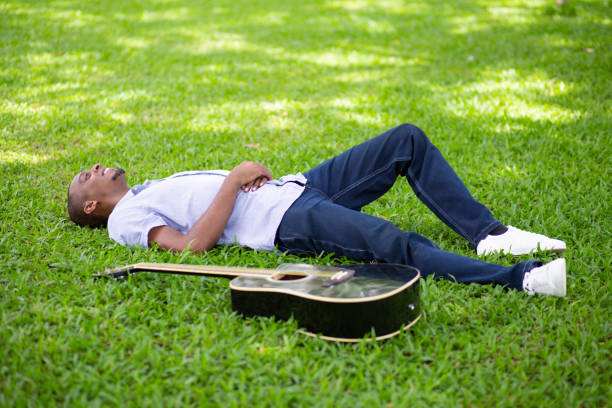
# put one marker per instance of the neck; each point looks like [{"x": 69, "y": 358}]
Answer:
[{"x": 112, "y": 201}]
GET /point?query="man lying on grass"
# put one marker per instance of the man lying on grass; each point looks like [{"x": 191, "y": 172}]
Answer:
[{"x": 318, "y": 212}]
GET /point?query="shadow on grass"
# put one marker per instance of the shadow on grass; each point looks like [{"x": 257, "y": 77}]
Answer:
[
  {"x": 120, "y": 69},
  {"x": 198, "y": 85},
  {"x": 511, "y": 96}
]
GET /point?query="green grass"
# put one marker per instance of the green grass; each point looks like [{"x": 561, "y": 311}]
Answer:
[{"x": 515, "y": 93}]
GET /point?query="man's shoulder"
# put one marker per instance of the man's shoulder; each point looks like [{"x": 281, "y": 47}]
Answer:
[{"x": 130, "y": 221}]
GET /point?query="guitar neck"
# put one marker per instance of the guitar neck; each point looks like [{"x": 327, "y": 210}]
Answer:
[{"x": 205, "y": 270}]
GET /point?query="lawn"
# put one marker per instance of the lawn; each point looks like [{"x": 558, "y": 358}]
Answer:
[{"x": 517, "y": 95}]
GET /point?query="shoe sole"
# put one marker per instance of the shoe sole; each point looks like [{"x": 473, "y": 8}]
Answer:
[
  {"x": 564, "y": 278},
  {"x": 554, "y": 250},
  {"x": 558, "y": 265}
]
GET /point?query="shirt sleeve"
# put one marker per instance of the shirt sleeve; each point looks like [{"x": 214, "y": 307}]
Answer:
[{"x": 132, "y": 228}]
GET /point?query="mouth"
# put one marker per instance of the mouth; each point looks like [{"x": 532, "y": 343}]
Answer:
[{"x": 118, "y": 173}]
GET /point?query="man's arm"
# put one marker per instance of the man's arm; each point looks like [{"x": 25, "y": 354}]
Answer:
[{"x": 205, "y": 233}]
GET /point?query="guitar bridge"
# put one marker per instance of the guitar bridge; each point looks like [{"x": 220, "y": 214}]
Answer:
[{"x": 339, "y": 277}]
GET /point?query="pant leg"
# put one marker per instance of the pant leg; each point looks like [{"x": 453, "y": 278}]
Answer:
[
  {"x": 315, "y": 225},
  {"x": 365, "y": 172}
]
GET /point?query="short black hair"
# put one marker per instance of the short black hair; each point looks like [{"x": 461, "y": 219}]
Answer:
[{"x": 76, "y": 212}]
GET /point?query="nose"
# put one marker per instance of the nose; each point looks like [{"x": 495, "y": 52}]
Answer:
[{"x": 96, "y": 167}]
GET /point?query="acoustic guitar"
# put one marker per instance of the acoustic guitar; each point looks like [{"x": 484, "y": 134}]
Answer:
[{"x": 345, "y": 303}]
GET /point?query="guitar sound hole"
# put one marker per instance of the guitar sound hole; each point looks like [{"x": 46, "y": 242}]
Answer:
[{"x": 287, "y": 277}]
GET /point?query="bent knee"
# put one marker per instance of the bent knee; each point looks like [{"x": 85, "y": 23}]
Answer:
[{"x": 409, "y": 133}]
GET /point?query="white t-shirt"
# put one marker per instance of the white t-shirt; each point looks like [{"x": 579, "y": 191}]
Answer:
[{"x": 180, "y": 200}]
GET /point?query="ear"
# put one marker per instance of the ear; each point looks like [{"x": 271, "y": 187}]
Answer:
[{"x": 90, "y": 206}]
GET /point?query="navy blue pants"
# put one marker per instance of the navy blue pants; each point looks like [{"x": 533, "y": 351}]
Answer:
[{"x": 327, "y": 217}]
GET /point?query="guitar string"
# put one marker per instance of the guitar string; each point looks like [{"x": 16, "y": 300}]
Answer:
[{"x": 216, "y": 270}]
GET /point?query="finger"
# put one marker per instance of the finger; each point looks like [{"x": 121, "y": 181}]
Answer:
[{"x": 258, "y": 183}]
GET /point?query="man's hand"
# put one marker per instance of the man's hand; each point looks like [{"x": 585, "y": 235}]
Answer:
[{"x": 249, "y": 176}]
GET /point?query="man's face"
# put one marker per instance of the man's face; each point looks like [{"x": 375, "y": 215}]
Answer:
[{"x": 98, "y": 183}]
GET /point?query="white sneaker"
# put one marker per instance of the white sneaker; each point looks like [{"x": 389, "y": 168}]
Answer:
[
  {"x": 518, "y": 242},
  {"x": 548, "y": 279}
]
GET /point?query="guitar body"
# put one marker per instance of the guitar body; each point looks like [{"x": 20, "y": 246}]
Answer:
[
  {"x": 336, "y": 303},
  {"x": 343, "y": 312}
]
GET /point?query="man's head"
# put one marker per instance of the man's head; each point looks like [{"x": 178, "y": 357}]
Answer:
[{"x": 93, "y": 194}]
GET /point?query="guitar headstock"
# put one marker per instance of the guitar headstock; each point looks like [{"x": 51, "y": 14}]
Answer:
[{"x": 116, "y": 273}]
